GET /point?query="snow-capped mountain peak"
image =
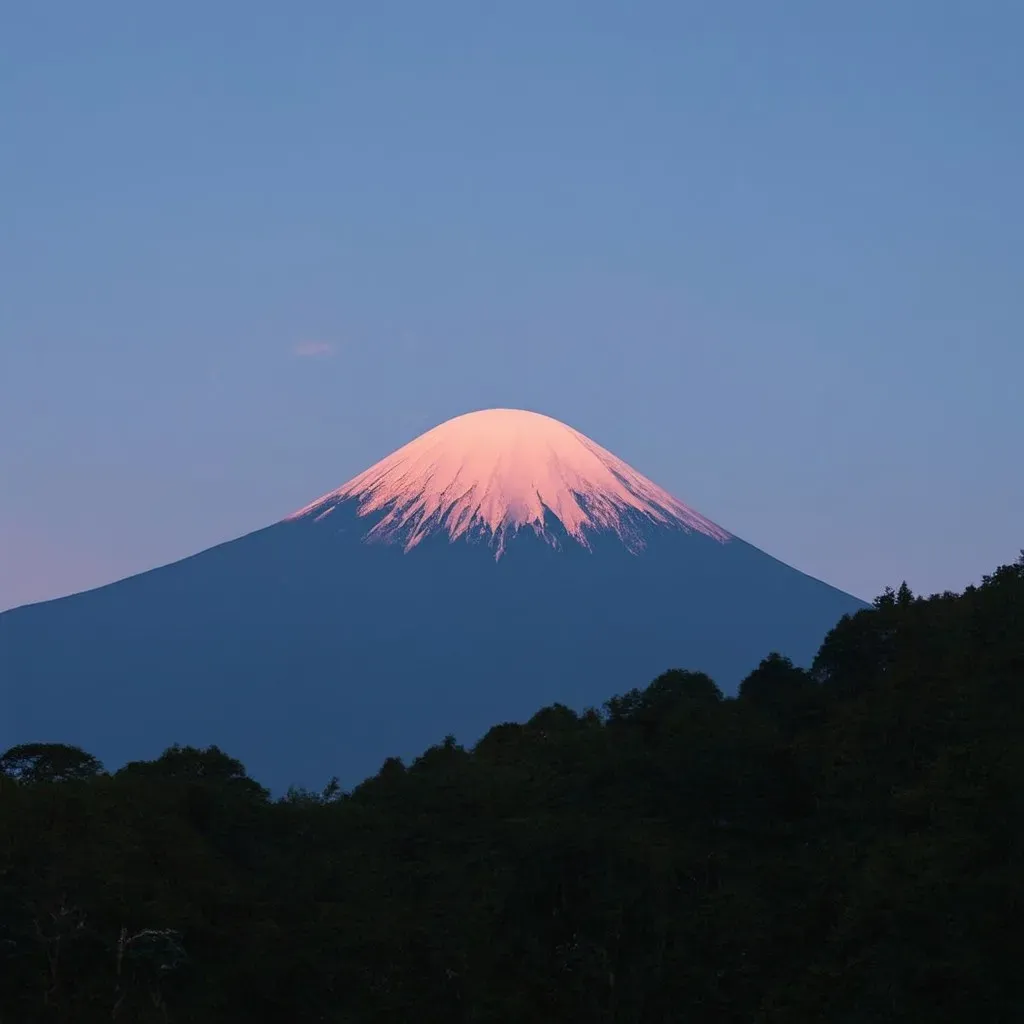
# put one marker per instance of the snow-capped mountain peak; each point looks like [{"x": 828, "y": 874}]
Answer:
[{"x": 495, "y": 471}]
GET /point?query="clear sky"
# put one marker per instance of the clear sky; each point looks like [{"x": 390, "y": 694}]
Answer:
[{"x": 771, "y": 254}]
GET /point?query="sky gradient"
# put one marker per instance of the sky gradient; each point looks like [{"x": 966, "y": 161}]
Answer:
[{"x": 770, "y": 255}]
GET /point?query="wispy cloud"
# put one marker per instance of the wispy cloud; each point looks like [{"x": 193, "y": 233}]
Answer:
[{"x": 313, "y": 349}]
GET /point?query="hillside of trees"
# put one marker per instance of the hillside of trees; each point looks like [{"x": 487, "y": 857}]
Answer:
[{"x": 844, "y": 844}]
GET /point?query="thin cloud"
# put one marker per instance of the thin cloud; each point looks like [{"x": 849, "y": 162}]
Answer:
[{"x": 313, "y": 349}]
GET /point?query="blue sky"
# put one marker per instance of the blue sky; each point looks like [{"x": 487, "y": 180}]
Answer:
[{"x": 770, "y": 254}]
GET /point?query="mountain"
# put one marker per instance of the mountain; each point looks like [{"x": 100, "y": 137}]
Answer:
[{"x": 497, "y": 563}]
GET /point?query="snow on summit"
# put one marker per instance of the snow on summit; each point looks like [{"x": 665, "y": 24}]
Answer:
[{"x": 497, "y": 470}]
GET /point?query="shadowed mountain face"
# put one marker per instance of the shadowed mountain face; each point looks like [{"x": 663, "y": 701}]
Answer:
[
  {"x": 307, "y": 652},
  {"x": 512, "y": 563}
]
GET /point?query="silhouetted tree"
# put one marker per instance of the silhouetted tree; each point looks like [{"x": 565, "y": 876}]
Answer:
[{"x": 48, "y": 762}]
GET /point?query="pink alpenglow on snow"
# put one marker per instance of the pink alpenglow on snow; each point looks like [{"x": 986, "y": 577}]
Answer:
[{"x": 498, "y": 470}]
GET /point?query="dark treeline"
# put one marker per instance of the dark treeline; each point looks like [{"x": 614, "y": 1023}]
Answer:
[{"x": 841, "y": 845}]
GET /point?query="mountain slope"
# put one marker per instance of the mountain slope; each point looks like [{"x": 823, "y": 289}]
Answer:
[{"x": 381, "y": 617}]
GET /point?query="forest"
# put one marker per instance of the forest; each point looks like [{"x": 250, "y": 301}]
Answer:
[{"x": 843, "y": 844}]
